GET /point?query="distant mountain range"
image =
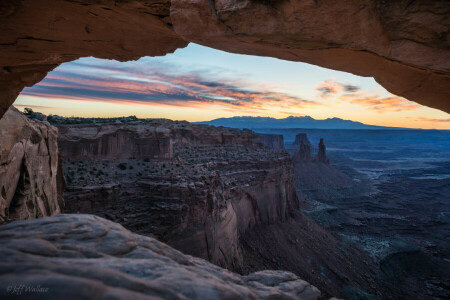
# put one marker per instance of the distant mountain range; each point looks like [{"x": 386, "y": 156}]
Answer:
[{"x": 290, "y": 122}]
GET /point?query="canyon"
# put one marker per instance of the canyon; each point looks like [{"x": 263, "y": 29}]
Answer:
[
  {"x": 219, "y": 194},
  {"x": 219, "y": 188},
  {"x": 233, "y": 197},
  {"x": 188, "y": 195},
  {"x": 402, "y": 44}
]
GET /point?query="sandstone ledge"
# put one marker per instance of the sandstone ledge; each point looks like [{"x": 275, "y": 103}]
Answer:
[{"x": 87, "y": 257}]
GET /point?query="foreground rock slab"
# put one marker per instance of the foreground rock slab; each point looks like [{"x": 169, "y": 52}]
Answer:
[{"x": 87, "y": 257}]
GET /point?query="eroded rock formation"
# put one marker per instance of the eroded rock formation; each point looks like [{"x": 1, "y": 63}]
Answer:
[
  {"x": 222, "y": 197},
  {"x": 31, "y": 182},
  {"x": 303, "y": 154},
  {"x": 87, "y": 257},
  {"x": 98, "y": 142},
  {"x": 402, "y": 44},
  {"x": 303, "y": 150},
  {"x": 272, "y": 141},
  {"x": 221, "y": 182},
  {"x": 299, "y": 138},
  {"x": 313, "y": 173},
  {"x": 322, "y": 153}
]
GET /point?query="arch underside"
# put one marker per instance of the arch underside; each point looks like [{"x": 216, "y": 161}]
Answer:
[{"x": 403, "y": 44}]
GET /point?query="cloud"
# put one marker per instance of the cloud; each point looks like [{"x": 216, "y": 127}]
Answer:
[
  {"x": 380, "y": 104},
  {"x": 371, "y": 100},
  {"x": 33, "y": 106},
  {"x": 351, "y": 88},
  {"x": 424, "y": 119},
  {"x": 330, "y": 87},
  {"x": 99, "y": 80}
]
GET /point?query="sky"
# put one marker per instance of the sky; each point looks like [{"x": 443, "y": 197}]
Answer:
[{"x": 197, "y": 83}]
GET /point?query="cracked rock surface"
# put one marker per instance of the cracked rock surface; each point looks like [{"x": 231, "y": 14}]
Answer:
[
  {"x": 87, "y": 257},
  {"x": 30, "y": 181}
]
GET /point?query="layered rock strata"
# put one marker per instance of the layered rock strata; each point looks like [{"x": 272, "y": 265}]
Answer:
[
  {"x": 221, "y": 182},
  {"x": 87, "y": 257},
  {"x": 272, "y": 141},
  {"x": 299, "y": 138},
  {"x": 115, "y": 141},
  {"x": 31, "y": 180},
  {"x": 303, "y": 153},
  {"x": 315, "y": 172},
  {"x": 222, "y": 190},
  {"x": 402, "y": 44}
]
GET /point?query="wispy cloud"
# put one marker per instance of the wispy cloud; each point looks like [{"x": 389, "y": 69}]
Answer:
[
  {"x": 371, "y": 100},
  {"x": 329, "y": 87},
  {"x": 33, "y": 106},
  {"x": 159, "y": 84},
  {"x": 433, "y": 120}
]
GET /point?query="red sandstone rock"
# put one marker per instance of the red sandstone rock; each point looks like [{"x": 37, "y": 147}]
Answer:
[
  {"x": 272, "y": 141},
  {"x": 399, "y": 43},
  {"x": 96, "y": 142},
  {"x": 31, "y": 181},
  {"x": 224, "y": 182},
  {"x": 402, "y": 44}
]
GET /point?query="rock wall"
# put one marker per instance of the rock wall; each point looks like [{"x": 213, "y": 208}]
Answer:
[
  {"x": 95, "y": 142},
  {"x": 221, "y": 182},
  {"x": 299, "y": 138},
  {"x": 92, "y": 258},
  {"x": 403, "y": 44},
  {"x": 31, "y": 180},
  {"x": 272, "y": 141},
  {"x": 303, "y": 154},
  {"x": 192, "y": 134}
]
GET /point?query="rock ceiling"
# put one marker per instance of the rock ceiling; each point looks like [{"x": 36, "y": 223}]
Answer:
[{"x": 404, "y": 44}]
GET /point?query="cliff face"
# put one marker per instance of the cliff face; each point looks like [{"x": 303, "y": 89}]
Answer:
[
  {"x": 221, "y": 182},
  {"x": 31, "y": 183},
  {"x": 272, "y": 141},
  {"x": 403, "y": 44},
  {"x": 95, "y": 258},
  {"x": 114, "y": 141},
  {"x": 224, "y": 197},
  {"x": 299, "y": 138}
]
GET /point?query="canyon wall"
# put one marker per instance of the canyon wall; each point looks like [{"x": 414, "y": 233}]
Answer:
[
  {"x": 272, "y": 141},
  {"x": 31, "y": 179},
  {"x": 299, "y": 139},
  {"x": 220, "y": 183},
  {"x": 114, "y": 141},
  {"x": 402, "y": 44}
]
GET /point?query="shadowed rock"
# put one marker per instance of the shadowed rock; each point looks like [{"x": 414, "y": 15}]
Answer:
[
  {"x": 87, "y": 257},
  {"x": 221, "y": 182},
  {"x": 31, "y": 182},
  {"x": 272, "y": 141},
  {"x": 321, "y": 154}
]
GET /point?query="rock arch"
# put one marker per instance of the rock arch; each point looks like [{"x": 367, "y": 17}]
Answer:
[{"x": 403, "y": 44}]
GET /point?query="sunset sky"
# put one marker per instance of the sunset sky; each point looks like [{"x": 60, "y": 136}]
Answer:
[{"x": 198, "y": 84}]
